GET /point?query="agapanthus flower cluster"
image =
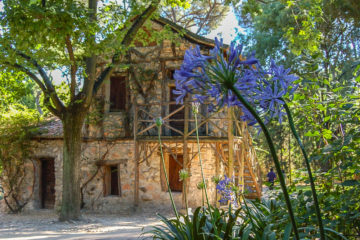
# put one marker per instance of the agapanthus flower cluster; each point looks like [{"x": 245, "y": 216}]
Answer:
[
  {"x": 210, "y": 78},
  {"x": 227, "y": 190}
]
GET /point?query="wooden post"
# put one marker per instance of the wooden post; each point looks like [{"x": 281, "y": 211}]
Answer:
[
  {"x": 230, "y": 143},
  {"x": 217, "y": 172},
  {"x": 164, "y": 90},
  {"x": 242, "y": 169},
  {"x": 136, "y": 156},
  {"x": 185, "y": 153},
  {"x": 242, "y": 154}
]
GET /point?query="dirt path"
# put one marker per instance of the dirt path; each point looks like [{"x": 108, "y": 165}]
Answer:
[{"x": 44, "y": 225}]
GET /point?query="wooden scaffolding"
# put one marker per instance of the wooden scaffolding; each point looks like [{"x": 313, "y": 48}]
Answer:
[{"x": 222, "y": 130}]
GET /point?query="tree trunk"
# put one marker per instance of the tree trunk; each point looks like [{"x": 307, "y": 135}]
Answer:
[{"x": 71, "y": 197}]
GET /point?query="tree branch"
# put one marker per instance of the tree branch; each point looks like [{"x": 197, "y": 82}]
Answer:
[
  {"x": 49, "y": 86},
  {"x": 48, "y": 105},
  {"x": 212, "y": 6},
  {"x": 73, "y": 66},
  {"x": 29, "y": 73},
  {"x": 135, "y": 27},
  {"x": 47, "y": 93},
  {"x": 87, "y": 92}
]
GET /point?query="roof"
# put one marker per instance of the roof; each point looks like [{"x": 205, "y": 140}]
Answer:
[
  {"x": 190, "y": 36},
  {"x": 50, "y": 128}
]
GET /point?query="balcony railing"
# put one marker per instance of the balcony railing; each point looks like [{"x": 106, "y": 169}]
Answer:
[{"x": 178, "y": 120}]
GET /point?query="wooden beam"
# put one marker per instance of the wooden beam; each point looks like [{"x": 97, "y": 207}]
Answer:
[
  {"x": 206, "y": 120},
  {"x": 165, "y": 118},
  {"x": 179, "y": 139},
  {"x": 136, "y": 156},
  {"x": 230, "y": 143},
  {"x": 217, "y": 172}
]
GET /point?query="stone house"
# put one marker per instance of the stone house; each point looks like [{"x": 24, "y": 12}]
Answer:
[{"x": 120, "y": 165}]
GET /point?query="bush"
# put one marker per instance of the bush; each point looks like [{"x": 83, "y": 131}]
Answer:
[{"x": 16, "y": 129}]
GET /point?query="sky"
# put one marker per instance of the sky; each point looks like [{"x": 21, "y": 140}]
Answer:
[{"x": 226, "y": 29}]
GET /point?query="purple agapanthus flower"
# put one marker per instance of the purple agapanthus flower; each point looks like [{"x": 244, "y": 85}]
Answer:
[
  {"x": 225, "y": 188},
  {"x": 209, "y": 78},
  {"x": 271, "y": 89}
]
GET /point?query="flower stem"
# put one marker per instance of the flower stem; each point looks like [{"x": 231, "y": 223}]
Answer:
[
  {"x": 202, "y": 173},
  {"x": 186, "y": 200},
  {"x": 273, "y": 154},
  {"x": 166, "y": 176},
  {"x": 313, "y": 190}
]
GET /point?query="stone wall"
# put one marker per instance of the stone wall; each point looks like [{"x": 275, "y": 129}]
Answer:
[
  {"x": 148, "y": 81},
  {"x": 121, "y": 152}
]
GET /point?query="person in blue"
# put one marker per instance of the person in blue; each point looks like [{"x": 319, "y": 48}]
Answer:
[{"x": 271, "y": 178}]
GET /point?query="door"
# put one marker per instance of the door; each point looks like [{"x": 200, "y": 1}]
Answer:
[
  {"x": 174, "y": 177},
  {"x": 178, "y": 117},
  {"x": 47, "y": 183}
]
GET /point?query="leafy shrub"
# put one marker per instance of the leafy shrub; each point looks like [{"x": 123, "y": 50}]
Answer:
[{"x": 16, "y": 130}]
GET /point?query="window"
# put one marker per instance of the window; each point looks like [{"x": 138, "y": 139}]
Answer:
[
  {"x": 118, "y": 93},
  {"x": 112, "y": 184},
  {"x": 170, "y": 74}
]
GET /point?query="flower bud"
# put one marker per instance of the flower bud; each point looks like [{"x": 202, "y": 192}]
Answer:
[
  {"x": 158, "y": 121},
  {"x": 195, "y": 107},
  {"x": 183, "y": 174}
]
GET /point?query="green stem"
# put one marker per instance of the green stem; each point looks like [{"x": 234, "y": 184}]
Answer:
[
  {"x": 166, "y": 176},
  {"x": 313, "y": 190},
  {"x": 186, "y": 200},
  {"x": 202, "y": 173},
  {"x": 273, "y": 154}
]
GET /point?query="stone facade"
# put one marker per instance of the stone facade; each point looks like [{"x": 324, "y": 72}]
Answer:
[
  {"x": 120, "y": 153},
  {"x": 109, "y": 138}
]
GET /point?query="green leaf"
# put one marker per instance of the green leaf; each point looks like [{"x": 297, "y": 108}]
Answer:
[
  {"x": 327, "y": 133},
  {"x": 347, "y": 106},
  {"x": 287, "y": 232},
  {"x": 350, "y": 183},
  {"x": 327, "y": 118},
  {"x": 312, "y": 134}
]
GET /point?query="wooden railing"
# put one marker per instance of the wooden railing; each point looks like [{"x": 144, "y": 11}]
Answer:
[{"x": 209, "y": 123}]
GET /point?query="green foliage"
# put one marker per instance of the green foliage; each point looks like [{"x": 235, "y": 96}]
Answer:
[
  {"x": 198, "y": 226},
  {"x": 15, "y": 88},
  {"x": 254, "y": 220},
  {"x": 17, "y": 126},
  {"x": 328, "y": 76},
  {"x": 319, "y": 40}
]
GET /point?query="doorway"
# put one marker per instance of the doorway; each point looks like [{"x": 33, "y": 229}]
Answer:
[
  {"x": 175, "y": 165},
  {"x": 47, "y": 183}
]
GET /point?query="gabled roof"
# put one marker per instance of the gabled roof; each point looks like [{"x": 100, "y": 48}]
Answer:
[{"x": 188, "y": 35}]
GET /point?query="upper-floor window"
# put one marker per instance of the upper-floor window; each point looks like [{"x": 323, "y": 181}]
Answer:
[
  {"x": 118, "y": 93},
  {"x": 170, "y": 74}
]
